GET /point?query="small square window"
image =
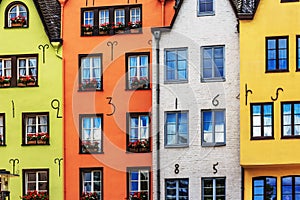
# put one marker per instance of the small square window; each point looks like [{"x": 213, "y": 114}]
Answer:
[
  {"x": 36, "y": 181},
  {"x": 205, "y": 7},
  {"x": 213, "y": 188},
  {"x": 177, "y": 189}
]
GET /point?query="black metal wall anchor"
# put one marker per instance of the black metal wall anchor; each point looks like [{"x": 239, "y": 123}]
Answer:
[
  {"x": 112, "y": 44},
  {"x": 114, "y": 107},
  {"x": 176, "y": 103},
  {"x": 43, "y": 47},
  {"x": 176, "y": 171},
  {"x": 57, "y": 107},
  {"x": 129, "y": 0},
  {"x": 86, "y": 2},
  {"x": 14, "y": 162},
  {"x": 277, "y": 94},
  {"x": 13, "y": 108},
  {"x": 150, "y": 42},
  {"x": 215, "y": 102},
  {"x": 58, "y": 161},
  {"x": 238, "y": 96},
  {"x": 246, "y": 94},
  {"x": 214, "y": 168}
]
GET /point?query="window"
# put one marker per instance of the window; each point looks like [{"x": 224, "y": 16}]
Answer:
[
  {"x": 176, "y": 128},
  {"x": 285, "y": 1},
  {"x": 35, "y": 128},
  {"x": 206, "y": 7},
  {"x": 91, "y": 181},
  {"x": 138, "y": 132},
  {"x": 290, "y": 116},
  {"x": 261, "y": 120},
  {"x": 137, "y": 70},
  {"x": 139, "y": 182},
  {"x": 2, "y": 129},
  {"x": 213, "y": 63},
  {"x": 213, "y": 188},
  {"x": 298, "y": 53},
  {"x": 36, "y": 180},
  {"x": 277, "y": 54},
  {"x": 290, "y": 188},
  {"x": 90, "y": 77},
  {"x": 91, "y": 133},
  {"x": 18, "y": 70},
  {"x": 177, "y": 189},
  {"x": 264, "y": 188},
  {"x": 104, "y": 19},
  {"x": 213, "y": 127},
  {"x": 16, "y": 15},
  {"x": 176, "y": 65}
]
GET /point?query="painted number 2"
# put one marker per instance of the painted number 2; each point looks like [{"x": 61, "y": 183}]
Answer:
[{"x": 114, "y": 107}]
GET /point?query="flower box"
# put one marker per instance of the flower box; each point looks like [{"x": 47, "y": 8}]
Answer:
[
  {"x": 21, "y": 84},
  {"x": 88, "y": 33},
  {"x": 31, "y": 84},
  {"x": 135, "y": 30},
  {"x": 31, "y": 142},
  {"x": 17, "y": 24}
]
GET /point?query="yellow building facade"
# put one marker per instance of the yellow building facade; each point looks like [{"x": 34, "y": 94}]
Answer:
[{"x": 270, "y": 99}]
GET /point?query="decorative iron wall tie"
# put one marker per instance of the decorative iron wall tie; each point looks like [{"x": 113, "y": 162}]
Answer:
[
  {"x": 58, "y": 161},
  {"x": 150, "y": 42},
  {"x": 43, "y": 47},
  {"x": 14, "y": 162},
  {"x": 13, "y": 108},
  {"x": 277, "y": 94},
  {"x": 246, "y": 93},
  {"x": 112, "y": 44},
  {"x": 56, "y": 108}
]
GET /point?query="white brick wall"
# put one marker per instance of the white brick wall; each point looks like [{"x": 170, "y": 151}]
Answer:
[{"x": 196, "y": 161}]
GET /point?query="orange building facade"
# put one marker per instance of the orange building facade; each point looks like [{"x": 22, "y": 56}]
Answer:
[{"x": 107, "y": 104}]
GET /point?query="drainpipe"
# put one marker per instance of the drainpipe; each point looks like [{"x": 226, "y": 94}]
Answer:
[
  {"x": 242, "y": 183},
  {"x": 163, "y": 2},
  {"x": 156, "y": 34}
]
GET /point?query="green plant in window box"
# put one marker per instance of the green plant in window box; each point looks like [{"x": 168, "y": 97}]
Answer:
[
  {"x": 88, "y": 84},
  {"x": 89, "y": 196},
  {"x": 18, "y": 21},
  {"x": 104, "y": 28},
  {"x": 119, "y": 27},
  {"x": 139, "y": 146},
  {"x": 87, "y": 29},
  {"x": 26, "y": 81},
  {"x": 135, "y": 26},
  {"x": 35, "y": 196},
  {"x": 139, "y": 83},
  {"x": 139, "y": 196},
  {"x": 5, "y": 81}
]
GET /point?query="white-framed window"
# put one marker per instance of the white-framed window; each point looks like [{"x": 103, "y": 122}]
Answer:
[
  {"x": 36, "y": 128},
  {"x": 27, "y": 67},
  {"x": 5, "y": 67},
  {"x": 139, "y": 182},
  {"x": 36, "y": 180},
  {"x": 135, "y": 15},
  {"x": 88, "y": 18},
  {"x": 290, "y": 116},
  {"x": 262, "y": 120},
  {"x": 91, "y": 133},
  {"x": 17, "y": 11},
  {"x": 91, "y": 182},
  {"x": 138, "y": 71},
  {"x": 90, "y": 72},
  {"x": 103, "y": 16},
  {"x": 205, "y": 7},
  {"x": 176, "y": 65},
  {"x": 213, "y": 63},
  {"x": 213, "y": 127},
  {"x": 120, "y": 16},
  {"x": 177, "y": 189},
  {"x": 214, "y": 188},
  {"x": 2, "y": 129},
  {"x": 176, "y": 128}
]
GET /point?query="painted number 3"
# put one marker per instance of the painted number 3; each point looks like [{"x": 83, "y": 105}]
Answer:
[{"x": 114, "y": 107}]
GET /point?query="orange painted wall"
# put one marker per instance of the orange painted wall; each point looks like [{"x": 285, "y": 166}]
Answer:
[{"x": 114, "y": 160}]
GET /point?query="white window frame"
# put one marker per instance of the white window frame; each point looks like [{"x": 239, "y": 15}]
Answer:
[
  {"x": 139, "y": 127},
  {"x": 27, "y": 67},
  {"x": 2, "y": 129},
  {"x": 206, "y": 13},
  {"x": 139, "y": 171},
  {"x": 134, "y": 17},
  {"x": 138, "y": 69},
  {"x": 214, "y": 187},
  {"x": 105, "y": 18},
  {"x": 88, "y": 20},
  {"x": 17, "y": 13},
  {"x": 93, "y": 131},
  {"x": 91, "y": 67},
  {"x": 119, "y": 16},
  {"x": 92, "y": 171},
  {"x": 37, "y": 181},
  {"x": 37, "y": 125},
  {"x": 5, "y": 67}
]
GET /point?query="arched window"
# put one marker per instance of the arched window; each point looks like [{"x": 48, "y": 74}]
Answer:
[{"x": 16, "y": 15}]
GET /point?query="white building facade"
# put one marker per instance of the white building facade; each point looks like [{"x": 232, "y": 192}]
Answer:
[{"x": 195, "y": 119}]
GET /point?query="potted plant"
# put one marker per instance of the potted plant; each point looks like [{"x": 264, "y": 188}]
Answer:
[
  {"x": 104, "y": 28},
  {"x": 18, "y": 21},
  {"x": 26, "y": 81},
  {"x": 35, "y": 196},
  {"x": 89, "y": 84},
  {"x": 139, "y": 196},
  {"x": 90, "y": 146},
  {"x": 5, "y": 81},
  {"x": 139, "y": 83},
  {"x": 43, "y": 138},
  {"x": 119, "y": 27},
  {"x": 87, "y": 29},
  {"x": 89, "y": 196},
  {"x": 139, "y": 146},
  {"x": 32, "y": 138},
  {"x": 135, "y": 26}
]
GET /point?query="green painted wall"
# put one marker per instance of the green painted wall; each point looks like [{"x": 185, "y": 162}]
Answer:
[{"x": 14, "y": 41}]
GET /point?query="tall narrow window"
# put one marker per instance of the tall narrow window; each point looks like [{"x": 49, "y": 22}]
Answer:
[
  {"x": 261, "y": 120},
  {"x": 264, "y": 188},
  {"x": 90, "y": 72},
  {"x": 290, "y": 187},
  {"x": 290, "y": 119},
  {"x": 103, "y": 16},
  {"x": 177, "y": 189},
  {"x": 176, "y": 65},
  {"x": 5, "y": 67},
  {"x": 213, "y": 63},
  {"x": 137, "y": 70},
  {"x": 135, "y": 15},
  {"x": 213, "y": 127},
  {"x": 36, "y": 128},
  {"x": 91, "y": 181},
  {"x": 91, "y": 133},
  {"x": 213, "y": 188},
  {"x": 277, "y": 54},
  {"x": 27, "y": 67},
  {"x": 2, "y": 130},
  {"x": 298, "y": 53},
  {"x": 36, "y": 180},
  {"x": 120, "y": 16},
  {"x": 206, "y": 7},
  {"x": 88, "y": 18},
  {"x": 176, "y": 128},
  {"x": 16, "y": 15},
  {"x": 139, "y": 183},
  {"x": 138, "y": 133}
]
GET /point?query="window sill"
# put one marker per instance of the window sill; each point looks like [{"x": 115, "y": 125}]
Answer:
[
  {"x": 35, "y": 144},
  {"x": 207, "y": 80},
  {"x": 203, "y": 14},
  {"x": 176, "y": 146},
  {"x": 112, "y": 32},
  {"x": 176, "y": 82},
  {"x": 213, "y": 144},
  {"x": 288, "y": 1},
  {"x": 276, "y": 71},
  {"x": 90, "y": 90},
  {"x": 262, "y": 138},
  {"x": 140, "y": 89},
  {"x": 290, "y": 137},
  {"x": 3, "y": 145},
  {"x": 88, "y": 153}
]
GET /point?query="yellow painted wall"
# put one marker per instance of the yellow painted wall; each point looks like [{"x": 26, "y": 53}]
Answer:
[
  {"x": 15, "y": 41},
  {"x": 272, "y": 18}
]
